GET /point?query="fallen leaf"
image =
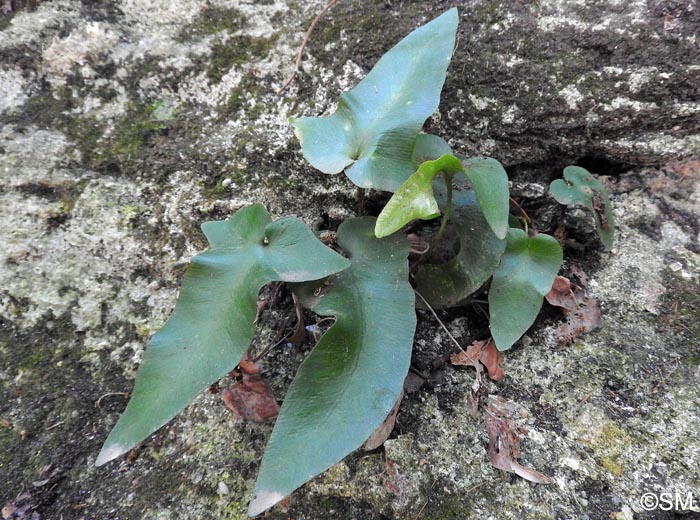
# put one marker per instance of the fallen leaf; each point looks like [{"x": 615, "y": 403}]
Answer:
[
  {"x": 20, "y": 508},
  {"x": 470, "y": 357},
  {"x": 581, "y": 310},
  {"x": 412, "y": 383},
  {"x": 9, "y": 510},
  {"x": 248, "y": 366},
  {"x": 382, "y": 433},
  {"x": 578, "y": 273},
  {"x": 251, "y": 398},
  {"x": 481, "y": 353},
  {"x": 585, "y": 318},
  {"x": 561, "y": 294},
  {"x": 491, "y": 359},
  {"x": 504, "y": 439}
]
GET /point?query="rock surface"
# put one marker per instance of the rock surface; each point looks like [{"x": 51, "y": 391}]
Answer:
[{"x": 125, "y": 125}]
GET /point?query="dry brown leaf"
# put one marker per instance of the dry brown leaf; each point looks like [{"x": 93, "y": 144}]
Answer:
[
  {"x": 251, "y": 398},
  {"x": 20, "y": 508},
  {"x": 504, "y": 439},
  {"x": 561, "y": 294},
  {"x": 382, "y": 433},
  {"x": 585, "y": 318},
  {"x": 481, "y": 353},
  {"x": 470, "y": 357},
  {"x": 581, "y": 311},
  {"x": 580, "y": 274},
  {"x": 412, "y": 383},
  {"x": 491, "y": 358}
]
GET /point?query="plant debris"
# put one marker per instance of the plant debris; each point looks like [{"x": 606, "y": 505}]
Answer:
[
  {"x": 250, "y": 398},
  {"x": 382, "y": 433},
  {"x": 20, "y": 508},
  {"x": 481, "y": 353},
  {"x": 581, "y": 310},
  {"x": 501, "y": 420},
  {"x": 412, "y": 383}
]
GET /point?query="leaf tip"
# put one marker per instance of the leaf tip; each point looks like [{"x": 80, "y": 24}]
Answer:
[
  {"x": 262, "y": 501},
  {"x": 110, "y": 452},
  {"x": 380, "y": 232},
  {"x": 501, "y": 231},
  {"x": 451, "y": 16}
]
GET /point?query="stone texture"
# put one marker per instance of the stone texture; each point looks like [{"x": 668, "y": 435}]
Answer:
[{"x": 126, "y": 124}]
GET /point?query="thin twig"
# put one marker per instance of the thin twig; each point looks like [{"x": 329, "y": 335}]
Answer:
[
  {"x": 449, "y": 334},
  {"x": 297, "y": 63},
  {"x": 475, "y": 304},
  {"x": 523, "y": 213},
  {"x": 285, "y": 337},
  {"x": 477, "y": 486},
  {"x": 420, "y": 512},
  {"x": 99, "y": 401},
  {"x": 269, "y": 349},
  {"x": 59, "y": 423}
]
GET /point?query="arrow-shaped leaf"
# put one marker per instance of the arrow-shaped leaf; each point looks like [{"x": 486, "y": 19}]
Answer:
[
  {"x": 415, "y": 198},
  {"x": 490, "y": 182},
  {"x": 346, "y": 387},
  {"x": 212, "y": 324},
  {"x": 445, "y": 285},
  {"x": 525, "y": 275},
  {"x": 374, "y": 129},
  {"x": 428, "y": 148},
  {"x": 580, "y": 187}
]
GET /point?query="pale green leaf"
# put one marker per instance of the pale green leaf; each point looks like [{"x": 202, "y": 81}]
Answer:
[
  {"x": 490, "y": 181},
  {"x": 579, "y": 187},
  {"x": 525, "y": 275},
  {"x": 415, "y": 198},
  {"x": 348, "y": 384},
  {"x": 428, "y": 148},
  {"x": 212, "y": 324},
  {"x": 373, "y": 131}
]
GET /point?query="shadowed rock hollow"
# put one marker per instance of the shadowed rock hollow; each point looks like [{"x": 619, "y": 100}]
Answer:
[{"x": 125, "y": 125}]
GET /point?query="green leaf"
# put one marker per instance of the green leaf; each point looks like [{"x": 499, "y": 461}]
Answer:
[
  {"x": 428, "y": 148},
  {"x": 212, "y": 324},
  {"x": 348, "y": 384},
  {"x": 480, "y": 250},
  {"x": 580, "y": 187},
  {"x": 490, "y": 181},
  {"x": 415, "y": 198},
  {"x": 373, "y": 131},
  {"x": 525, "y": 275}
]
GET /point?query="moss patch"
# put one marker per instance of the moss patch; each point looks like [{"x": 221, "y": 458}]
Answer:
[
  {"x": 5, "y": 21},
  {"x": 236, "y": 51},
  {"x": 140, "y": 125},
  {"x": 212, "y": 21},
  {"x": 681, "y": 308},
  {"x": 609, "y": 443},
  {"x": 248, "y": 88}
]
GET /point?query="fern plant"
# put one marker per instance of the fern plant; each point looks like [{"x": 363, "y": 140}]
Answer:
[{"x": 351, "y": 380}]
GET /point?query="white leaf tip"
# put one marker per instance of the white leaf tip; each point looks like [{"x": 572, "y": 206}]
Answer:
[
  {"x": 262, "y": 501},
  {"x": 110, "y": 453}
]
